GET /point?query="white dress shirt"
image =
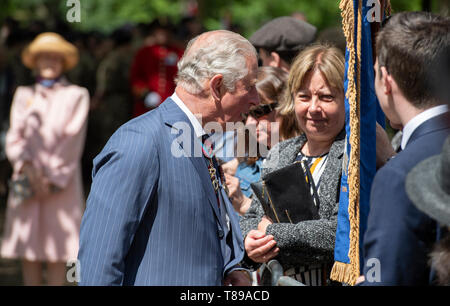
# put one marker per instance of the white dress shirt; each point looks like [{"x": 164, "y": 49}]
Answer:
[
  {"x": 414, "y": 123},
  {"x": 199, "y": 132},
  {"x": 198, "y": 129}
]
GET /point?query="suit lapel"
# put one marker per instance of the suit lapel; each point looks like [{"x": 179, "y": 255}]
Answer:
[
  {"x": 182, "y": 133},
  {"x": 234, "y": 221},
  {"x": 237, "y": 245}
]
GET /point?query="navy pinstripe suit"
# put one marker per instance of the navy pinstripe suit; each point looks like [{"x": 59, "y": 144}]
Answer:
[{"x": 152, "y": 218}]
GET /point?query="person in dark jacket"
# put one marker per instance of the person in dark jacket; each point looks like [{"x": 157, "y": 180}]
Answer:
[{"x": 399, "y": 237}]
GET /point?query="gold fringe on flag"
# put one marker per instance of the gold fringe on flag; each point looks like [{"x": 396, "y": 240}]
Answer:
[{"x": 342, "y": 272}]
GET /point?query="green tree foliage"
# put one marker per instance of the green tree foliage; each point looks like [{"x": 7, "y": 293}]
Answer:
[
  {"x": 105, "y": 15},
  {"x": 251, "y": 14},
  {"x": 108, "y": 14},
  {"x": 100, "y": 15}
]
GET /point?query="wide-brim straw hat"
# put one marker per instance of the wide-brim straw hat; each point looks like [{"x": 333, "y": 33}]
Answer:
[
  {"x": 50, "y": 42},
  {"x": 428, "y": 185}
]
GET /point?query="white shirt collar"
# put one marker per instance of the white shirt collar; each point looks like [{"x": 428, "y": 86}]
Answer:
[
  {"x": 414, "y": 123},
  {"x": 198, "y": 129}
]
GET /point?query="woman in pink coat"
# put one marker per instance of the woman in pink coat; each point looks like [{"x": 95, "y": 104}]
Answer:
[{"x": 44, "y": 145}]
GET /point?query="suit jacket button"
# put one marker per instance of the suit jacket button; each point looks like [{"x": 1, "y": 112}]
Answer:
[{"x": 220, "y": 233}]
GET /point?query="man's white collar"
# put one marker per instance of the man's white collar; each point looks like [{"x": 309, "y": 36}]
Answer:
[
  {"x": 198, "y": 129},
  {"x": 414, "y": 123}
]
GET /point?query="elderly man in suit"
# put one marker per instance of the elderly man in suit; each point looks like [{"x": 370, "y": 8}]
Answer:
[
  {"x": 399, "y": 236},
  {"x": 158, "y": 213}
]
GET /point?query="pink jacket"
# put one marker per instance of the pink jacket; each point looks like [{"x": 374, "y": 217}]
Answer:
[{"x": 48, "y": 127}]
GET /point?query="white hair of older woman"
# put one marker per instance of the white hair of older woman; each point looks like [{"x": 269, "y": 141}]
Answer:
[{"x": 224, "y": 53}]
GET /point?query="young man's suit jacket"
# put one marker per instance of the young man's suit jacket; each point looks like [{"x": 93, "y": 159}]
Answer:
[{"x": 399, "y": 237}]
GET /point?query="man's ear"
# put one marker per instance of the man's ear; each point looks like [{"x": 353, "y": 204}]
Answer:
[
  {"x": 386, "y": 81},
  {"x": 275, "y": 60},
  {"x": 215, "y": 87}
]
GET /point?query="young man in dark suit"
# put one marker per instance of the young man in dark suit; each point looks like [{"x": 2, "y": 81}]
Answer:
[{"x": 399, "y": 236}]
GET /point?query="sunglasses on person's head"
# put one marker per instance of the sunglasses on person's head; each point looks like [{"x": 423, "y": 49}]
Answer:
[{"x": 260, "y": 110}]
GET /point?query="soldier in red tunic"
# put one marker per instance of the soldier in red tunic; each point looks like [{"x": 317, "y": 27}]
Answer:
[{"x": 153, "y": 71}]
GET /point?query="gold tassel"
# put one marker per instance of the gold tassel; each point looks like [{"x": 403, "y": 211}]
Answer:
[{"x": 342, "y": 272}]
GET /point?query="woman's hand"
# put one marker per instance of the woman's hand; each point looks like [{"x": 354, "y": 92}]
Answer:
[
  {"x": 39, "y": 183},
  {"x": 259, "y": 247},
  {"x": 240, "y": 202},
  {"x": 230, "y": 167},
  {"x": 32, "y": 175}
]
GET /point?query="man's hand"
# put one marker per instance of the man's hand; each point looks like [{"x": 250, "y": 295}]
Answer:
[
  {"x": 264, "y": 223},
  {"x": 259, "y": 247},
  {"x": 360, "y": 279},
  {"x": 238, "y": 278}
]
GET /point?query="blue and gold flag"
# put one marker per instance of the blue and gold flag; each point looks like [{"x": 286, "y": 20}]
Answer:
[{"x": 362, "y": 112}]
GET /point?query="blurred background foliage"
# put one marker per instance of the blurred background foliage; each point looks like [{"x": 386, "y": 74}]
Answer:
[{"x": 245, "y": 15}]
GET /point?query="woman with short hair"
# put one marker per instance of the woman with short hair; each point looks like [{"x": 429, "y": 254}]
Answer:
[
  {"x": 315, "y": 95},
  {"x": 262, "y": 122}
]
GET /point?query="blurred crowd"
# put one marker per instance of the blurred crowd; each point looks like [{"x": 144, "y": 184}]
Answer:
[
  {"x": 125, "y": 74},
  {"x": 104, "y": 68},
  {"x": 115, "y": 77},
  {"x": 295, "y": 105},
  {"x": 117, "y": 87}
]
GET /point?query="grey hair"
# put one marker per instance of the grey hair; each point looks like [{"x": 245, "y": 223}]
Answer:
[{"x": 224, "y": 54}]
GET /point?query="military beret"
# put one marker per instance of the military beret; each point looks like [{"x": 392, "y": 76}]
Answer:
[{"x": 284, "y": 34}]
